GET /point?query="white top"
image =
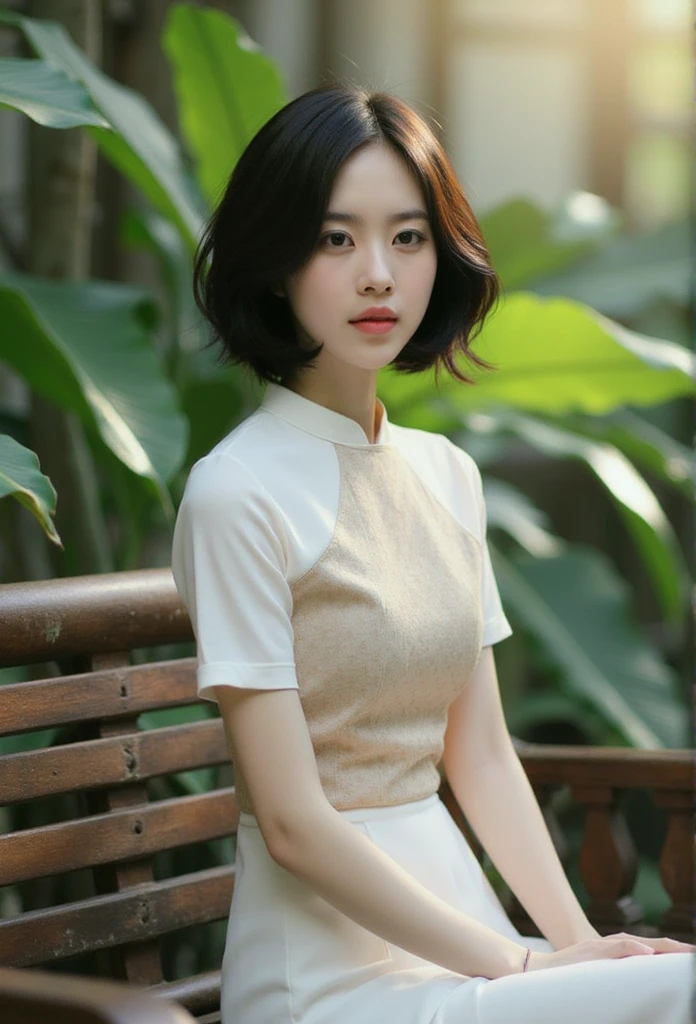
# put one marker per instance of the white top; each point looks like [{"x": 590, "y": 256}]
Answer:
[
  {"x": 259, "y": 509},
  {"x": 358, "y": 573}
]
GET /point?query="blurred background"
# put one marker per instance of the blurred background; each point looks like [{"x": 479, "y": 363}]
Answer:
[{"x": 569, "y": 125}]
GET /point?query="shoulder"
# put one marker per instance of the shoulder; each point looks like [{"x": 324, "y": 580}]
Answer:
[
  {"x": 233, "y": 471},
  {"x": 227, "y": 515},
  {"x": 437, "y": 455},
  {"x": 450, "y": 472},
  {"x": 225, "y": 497},
  {"x": 265, "y": 477},
  {"x": 219, "y": 483},
  {"x": 462, "y": 462}
]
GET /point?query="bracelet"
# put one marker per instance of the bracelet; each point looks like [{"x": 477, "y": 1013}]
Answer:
[{"x": 526, "y": 960}]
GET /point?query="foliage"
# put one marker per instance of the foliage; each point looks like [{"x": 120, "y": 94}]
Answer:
[
  {"x": 21, "y": 477},
  {"x": 572, "y": 382},
  {"x": 92, "y": 348}
]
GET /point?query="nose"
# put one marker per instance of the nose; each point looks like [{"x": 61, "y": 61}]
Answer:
[{"x": 376, "y": 275}]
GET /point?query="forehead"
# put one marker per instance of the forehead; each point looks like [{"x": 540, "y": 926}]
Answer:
[{"x": 375, "y": 177}]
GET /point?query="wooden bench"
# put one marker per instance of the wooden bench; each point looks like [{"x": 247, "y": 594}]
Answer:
[{"x": 97, "y": 895}]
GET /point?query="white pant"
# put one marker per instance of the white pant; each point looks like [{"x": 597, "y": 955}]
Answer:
[{"x": 292, "y": 958}]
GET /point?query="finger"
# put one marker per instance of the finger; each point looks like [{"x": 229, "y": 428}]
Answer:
[{"x": 668, "y": 945}]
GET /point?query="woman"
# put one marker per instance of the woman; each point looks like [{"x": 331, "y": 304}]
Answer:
[{"x": 336, "y": 572}]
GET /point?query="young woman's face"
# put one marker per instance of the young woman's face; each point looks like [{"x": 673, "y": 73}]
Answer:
[{"x": 378, "y": 257}]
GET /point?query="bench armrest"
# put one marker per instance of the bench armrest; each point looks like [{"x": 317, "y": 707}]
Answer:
[{"x": 42, "y": 997}]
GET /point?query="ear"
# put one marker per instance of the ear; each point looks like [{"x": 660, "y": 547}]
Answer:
[{"x": 279, "y": 291}]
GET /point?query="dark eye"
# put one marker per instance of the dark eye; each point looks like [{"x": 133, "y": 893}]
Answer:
[
  {"x": 416, "y": 234},
  {"x": 334, "y": 235}
]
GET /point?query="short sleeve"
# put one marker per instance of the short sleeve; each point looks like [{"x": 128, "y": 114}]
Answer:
[
  {"x": 495, "y": 624},
  {"x": 229, "y": 565}
]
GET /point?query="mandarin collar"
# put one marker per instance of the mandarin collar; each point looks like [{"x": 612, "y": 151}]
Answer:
[{"x": 320, "y": 420}]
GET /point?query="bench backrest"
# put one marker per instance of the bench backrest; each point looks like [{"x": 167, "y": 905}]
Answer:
[
  {"x": 97, "y": 794},
  {"x": 112, "y": 847}
]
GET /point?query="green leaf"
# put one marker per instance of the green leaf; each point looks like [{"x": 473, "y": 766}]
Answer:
[
  {"x": 649, "y": 892},
  {"x": 629, "y": 273},
  {"x": 634, "y": 499},
  {"x": 577, "y": 609},
  {"x": 550, "y": 356},
  {"x": 163, "y": 718},
  {"x": 187, "y": 357},
  {"x": 45, "y": 94},
  {"x": 213, "y": 407},
  {"x": 21, "y": 477},
  {"x": 140, "y": 145},
  {"x": 556, "y": 356},
  {"x": 226, "y": 87},
  {"x": 84, "y": 346},
  {"x": 18, "y": 744},
  {"x": 642, "y": 442},
  {"x": 511, "y": 511},
  {"x": 524, "y": 243}
]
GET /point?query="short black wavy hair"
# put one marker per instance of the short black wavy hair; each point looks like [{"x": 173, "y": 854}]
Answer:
[{"x": 268, "y": 224}]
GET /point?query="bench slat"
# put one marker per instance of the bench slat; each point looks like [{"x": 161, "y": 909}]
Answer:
[
  {"x": 41, "y": 703},
  {"x": 117, "y": 836},
  {"x": 617, "y": 767},
  {"x": 199, "y": 993},
  {"x": 96, "y": 763},
  {"x": 103, "y": 922},
  {"x": 74, "y": 616}
]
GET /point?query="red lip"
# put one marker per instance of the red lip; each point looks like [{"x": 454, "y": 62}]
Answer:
[{"x": 376, "y": 313}]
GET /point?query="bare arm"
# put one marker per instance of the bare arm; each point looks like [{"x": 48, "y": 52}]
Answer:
[
  {"x": 492, "y": 789},
  {"x": 270, "y": 741}
]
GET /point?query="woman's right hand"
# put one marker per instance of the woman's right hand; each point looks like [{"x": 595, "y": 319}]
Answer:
[{"x": 607, "y": 947}]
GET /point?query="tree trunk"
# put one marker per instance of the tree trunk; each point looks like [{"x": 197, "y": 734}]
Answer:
[{"x": 61, "y": 198}]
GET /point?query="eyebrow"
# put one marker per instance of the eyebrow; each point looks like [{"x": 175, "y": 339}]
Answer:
[{"x": 352, "y": 218}]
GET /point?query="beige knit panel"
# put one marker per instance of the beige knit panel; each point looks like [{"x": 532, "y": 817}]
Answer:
[{"x": 388, "y": 628}]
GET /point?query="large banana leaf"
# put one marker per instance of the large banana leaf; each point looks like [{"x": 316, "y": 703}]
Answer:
[
  {"x": 635, "y": 501},
  {"x": 45, "y": 94},
  {"x": 188, "y": 356},
  {"x": 643, "y": 442},
  {"x": 527, "y": 242},
  {"x": 85, "y": 347},
  {"x": 140, "y": 145},
  {"x": 212, "y": 398},
  {"x": 577, "y": 610},
  {"x": 508, "y": 509},
  {"x": 553, "y": 356},
  {"x": 628, "y": 273},
  {"x": 226, "y": 87},
  {"x": 21, "y": 477}
]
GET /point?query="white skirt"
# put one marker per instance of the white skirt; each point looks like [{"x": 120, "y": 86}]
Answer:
[{"x": 292, "y": 958}]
